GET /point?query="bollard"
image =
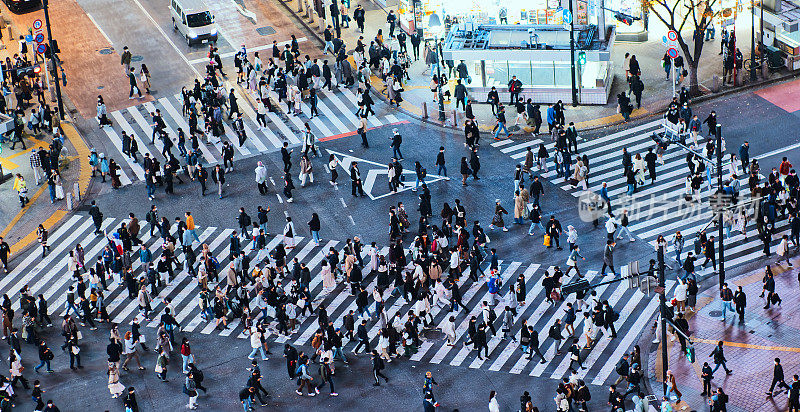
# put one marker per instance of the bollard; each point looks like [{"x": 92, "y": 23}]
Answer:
[
  {"x": 76, "y": 191},
  {"x": 424, "y": 110},
  {"x": 69, "y": 200},
  {"x": 715, "y": 84},
  {"x": 299, "y": 5},
  {"x": 455, "y": 117}
]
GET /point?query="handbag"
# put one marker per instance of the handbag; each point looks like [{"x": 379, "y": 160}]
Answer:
[
  {"x": 554, "y": 295},
  {"x": 546, "y": 240},
  {"x": 80, "y": 335},
  {"x": 75, "y": 350}
]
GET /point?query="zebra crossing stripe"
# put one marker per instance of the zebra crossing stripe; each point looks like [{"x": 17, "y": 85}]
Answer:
[
  {"x": 509, "y": 350},
  {"x": 55, "y": 236},
  {"x": 464, "y": 351},
  {"x": 46, "y": 262},
  {"x": 519, "y": 146},
  {"x": 124, "y": 125},
  {"x": 343, "y": 107},
  {"x": 623, "y": 346},
  {"x": 212, "y": 247},
  {"x": 117, "y": 141},
  {"x": 543, "y": 333},
  {"x": 562, "y": 367},
  {"x": 496, "y": 340}
]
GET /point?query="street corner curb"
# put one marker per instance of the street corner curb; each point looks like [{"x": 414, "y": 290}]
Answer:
[
  {"x": 57, "y": 217},
  {"x": 82, "y": 150}
]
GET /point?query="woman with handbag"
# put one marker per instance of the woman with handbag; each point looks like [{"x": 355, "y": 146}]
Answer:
[
  {"x": 161, "y": 365},
  {"x": 114, "y": 386}
]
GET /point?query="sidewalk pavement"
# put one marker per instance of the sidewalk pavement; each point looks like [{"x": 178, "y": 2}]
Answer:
[
  {"x": 749, "y": 348},
  {"x": 655, "y": 98},
  {"x": 19, "y": 224}
]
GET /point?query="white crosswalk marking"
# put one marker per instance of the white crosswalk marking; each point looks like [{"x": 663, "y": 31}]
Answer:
[
  {"x": 182, "y": 295},
  {"x": 656, "y": 208},
  {"x": 336, "y": 118}
]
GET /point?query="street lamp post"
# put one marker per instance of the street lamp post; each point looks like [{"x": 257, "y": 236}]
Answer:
[
  {"x": 752, "y": 40},
  {"x": 721, "y": 209},
  {"x": 53, "y": 59},
  {"x": 439, "y": 80},
  {"x": 572, "y": 54}
]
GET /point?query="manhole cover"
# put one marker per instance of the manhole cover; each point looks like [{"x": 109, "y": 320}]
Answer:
[
  {"x": 432, "y": 334},
  {"x": 137, "y": 58},
  {"x": 100, "y": 87},
  {"x": 106, "y": 50},
  {"x": 715, "y": 313},
  {"x": 265, "y": 31}
]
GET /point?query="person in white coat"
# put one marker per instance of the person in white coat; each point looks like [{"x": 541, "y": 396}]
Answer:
[
  {"x": 449, "y": 330},
  {"x": 680, "y": 295},
  {"x": 328, "y": 278},
  {"x": 255, "y": 344},
  {"x": 261, "y": 178},
  {"x": 493, "y": 405}
]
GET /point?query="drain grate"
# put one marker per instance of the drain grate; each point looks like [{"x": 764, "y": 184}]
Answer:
[
  {"x": 106, "y": 50},
  {"x": 265, "y": 31},
  {"x": 136, "y": 58}
]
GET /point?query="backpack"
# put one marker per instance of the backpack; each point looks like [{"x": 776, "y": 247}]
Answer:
[
  {"x": 247, "y": 221},
  {"x": 423, "y": 172},
  {"x": 614, "y": 316}
]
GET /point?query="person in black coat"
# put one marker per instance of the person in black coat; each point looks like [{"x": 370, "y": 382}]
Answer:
[{"x": 377, "y": 367}]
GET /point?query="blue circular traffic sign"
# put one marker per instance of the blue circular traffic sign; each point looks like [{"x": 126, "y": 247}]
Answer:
[
  {"x": 41, "y": 48},
  {"x": 37, "y": 24},
  {"x": 38, "y": 38},
  {"x": 672, "y": 52}
]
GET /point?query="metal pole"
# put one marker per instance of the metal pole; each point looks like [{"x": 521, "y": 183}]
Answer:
[
  {"x": 672, "y": 75},
  {"x": 663, "y": 305},
  {"x": 752, "y": 40},
  {"x": 572, "y": 54},
  {"x": 439, "y": 80},
  {"x": 761, "y": 48},
  {"x": 53, "y": 59},
  {"x": 719, "y": 224}
]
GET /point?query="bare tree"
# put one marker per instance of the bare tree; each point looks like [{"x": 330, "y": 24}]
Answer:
[{"x": 678, "y": 15}]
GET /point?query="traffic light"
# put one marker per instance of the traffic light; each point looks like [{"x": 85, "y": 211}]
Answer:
[
  {"x": 582, "y": 57},
  {"x": 580, "y": 284},
  {"x": 690, "y": 353},
  {"x": 625, "y": 18}
]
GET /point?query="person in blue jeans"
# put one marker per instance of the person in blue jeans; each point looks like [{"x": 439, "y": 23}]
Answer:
[
  {"x": 727, "y": 300},
  {"x": 45, "y": 355},
  {"x": 501, "y": 122}
]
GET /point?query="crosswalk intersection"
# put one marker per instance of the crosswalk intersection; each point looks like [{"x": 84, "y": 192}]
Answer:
[
  {"x": 50, "y": 276},
  {"x": 336, "y": 108},
  {"x": 656, "y": 208}
]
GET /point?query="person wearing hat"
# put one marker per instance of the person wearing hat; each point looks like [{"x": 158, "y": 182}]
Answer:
[{"x": 397, "y": 140}]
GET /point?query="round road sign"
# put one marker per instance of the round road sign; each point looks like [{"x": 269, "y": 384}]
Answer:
[
  {"x": 672, "y": 52},
  {"x": 672, "y": 35},
  {"x": 37, "y": 24},
  {"x": 38, "y": 38},
  {"x": 41, "y": 48}
]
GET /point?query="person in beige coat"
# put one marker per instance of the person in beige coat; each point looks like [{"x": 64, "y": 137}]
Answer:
[
  {"x": 231, "y": 275},
  {"x": 519, "y": 208}
]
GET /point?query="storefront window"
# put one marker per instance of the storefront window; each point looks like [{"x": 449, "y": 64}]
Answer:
[
  {"x": 543, "y": 75},
  {"x": 522, "y": 70},
  {"x": 563, "y": 76},
  {"x": 497, "y": 73}
]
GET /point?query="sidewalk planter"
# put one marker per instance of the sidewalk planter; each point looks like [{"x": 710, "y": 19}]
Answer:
[{"x": 539, "y": 56}]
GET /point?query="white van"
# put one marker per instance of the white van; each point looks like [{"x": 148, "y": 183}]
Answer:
[{"x": 193, "y": 20}]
